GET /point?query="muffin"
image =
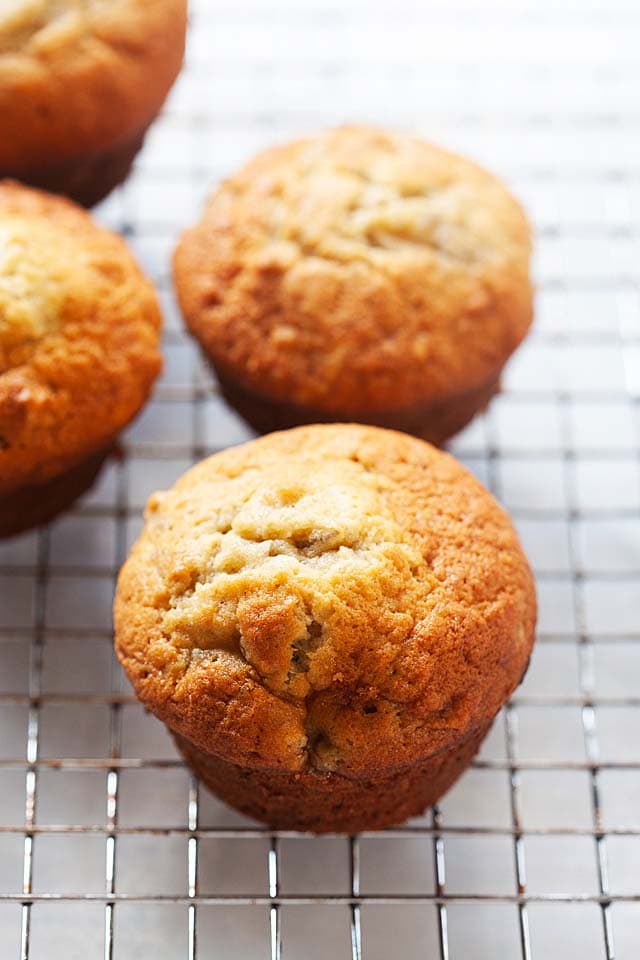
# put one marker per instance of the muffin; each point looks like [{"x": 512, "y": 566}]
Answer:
[
  {"x": 328, "y": 620},
  {"x": 80, "y": 83},
  {"x": 358, "y": 275},
  {"x": 79, "y": 328}
]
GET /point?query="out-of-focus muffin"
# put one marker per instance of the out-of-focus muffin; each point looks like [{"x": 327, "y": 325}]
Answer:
[
  {"x": 328, "y": 620},
  {"x": 80, "y": 83},
  {"x": 358, "y": 275},
  {"x": 79, "y": 329}
]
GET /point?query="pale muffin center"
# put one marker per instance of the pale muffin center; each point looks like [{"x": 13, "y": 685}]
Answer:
[
  {"x": 21, "y": 20},
  {"x": 386, "y": 200},
  {"x": 272, "y": 578},
  {"x": 378, "y": 220},
  {"x": 31, "y": 293}
]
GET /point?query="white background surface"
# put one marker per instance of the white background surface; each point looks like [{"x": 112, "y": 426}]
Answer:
[{"x": 545, "y": 94}]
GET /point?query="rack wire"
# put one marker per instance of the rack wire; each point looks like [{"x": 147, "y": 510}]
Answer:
[{"x": 108, "y": 847}]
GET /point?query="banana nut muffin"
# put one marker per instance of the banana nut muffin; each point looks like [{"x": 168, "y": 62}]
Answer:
[
  {"x": 328, "y": 619},
  {"x": 358, "y": 275},
  {"x": 80, "y": 83},
  {"x": 79, "y": 328}
]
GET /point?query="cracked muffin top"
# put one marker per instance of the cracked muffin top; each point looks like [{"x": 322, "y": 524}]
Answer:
[
  {"x": 337, "y": 598},
  {"x": 78, "y": 76},
  {"x": 79, "y": 328},
  {"x": 358, "y": 270}
]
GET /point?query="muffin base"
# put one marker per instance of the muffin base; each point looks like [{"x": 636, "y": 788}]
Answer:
[
  {"x": 35, "y": 505},
  {"x": 331, "y": 803},
  {"x": 435, "y": 421},
  {"x": 87, "y": 179}
]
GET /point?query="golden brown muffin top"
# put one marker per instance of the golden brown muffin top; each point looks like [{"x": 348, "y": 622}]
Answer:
[
  {"x": 78, "y": 335},
  {"x": 358, "y": 270},
  {"x": 78, "y": 76},
  {"x": 335, "y": 597}
]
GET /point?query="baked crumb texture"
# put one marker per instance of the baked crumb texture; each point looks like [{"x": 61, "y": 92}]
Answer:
[
  {"x": 80, "y": 82},
  {"x": 79, "y": 328},
  {"x": 359, "y": 273},
  {"x": 326, "y": 611}
]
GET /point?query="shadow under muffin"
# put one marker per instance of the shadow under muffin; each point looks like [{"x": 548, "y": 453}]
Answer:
[
  {"x": 87, "y": 179},
  {"x": 436, "y": 422},
  {"x": 38, "y": 504},
  {"x": 328, "y": 802}
]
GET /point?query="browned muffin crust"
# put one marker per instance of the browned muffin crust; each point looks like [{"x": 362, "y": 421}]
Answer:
[
  {"x": 79, "y": 329},
  {"x": 80, "y": 82},
  {"x": 331, "y": 600},
  {"x": 358, "y": 272}
]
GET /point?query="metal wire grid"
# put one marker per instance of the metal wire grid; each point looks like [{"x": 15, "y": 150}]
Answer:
[{"x": 496, "y": 445}]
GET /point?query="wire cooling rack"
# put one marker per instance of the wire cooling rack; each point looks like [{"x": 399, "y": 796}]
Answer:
[{"x": 108, "y": 848}]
